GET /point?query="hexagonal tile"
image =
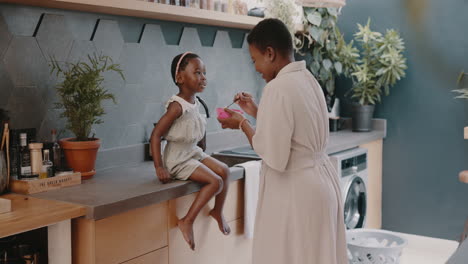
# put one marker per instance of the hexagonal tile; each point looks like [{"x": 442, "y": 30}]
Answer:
[
  {"x": 54, "y": 37},
  {"x": 110, "y": 131},
  {"x": 81, "y": 24},
  {"x": 115, "y": 88},
  {"x": 133, "y": 63},
  {"x": 6, "y": 86},
  {"x": 52, "y": 120},
  {"x": 80, "y": 51},
  {"x": 130, "y": 104},
  {"x": 222, "y": 40},
  {"x": 25, "y": 62},
  {"x": 21, "y": 20},
  {"x": 47, "y": 86},
  {"x": 245, "y": 44},
  {"x": 108, "y": 39},
  {"x": 5, "y": 36},
  {"x": 26, "y": 107},
  {"x": 190, "y": 40},
  {"x": 152, "y": 36},
  {"x": 237, "y": 38},
  {"x": 157, "y": 85},
  {"x": 133, "y": 134},
  {"x": 153, "y": 43},
  {"x": 153, "y": 112}
]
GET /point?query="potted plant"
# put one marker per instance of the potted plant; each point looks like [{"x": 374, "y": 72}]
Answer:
[
  {"x": 80, "y": 96},
  {"x": 374, "y": 68},
  {"x": 323, "y": 42}
]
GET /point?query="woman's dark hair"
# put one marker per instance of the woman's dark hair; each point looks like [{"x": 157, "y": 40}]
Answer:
[
  {"x": 183, "y": 63},
  {"x": 273, "y": 33}
]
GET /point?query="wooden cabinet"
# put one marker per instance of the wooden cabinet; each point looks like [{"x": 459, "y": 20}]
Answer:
[
  {"x": 121, "y": 237},
  {"x": 374, "y": 183},
  {"x": 160, "y": 256},
  {"x": 211, "y": 246},
  {"x": 150, "y": 235}
]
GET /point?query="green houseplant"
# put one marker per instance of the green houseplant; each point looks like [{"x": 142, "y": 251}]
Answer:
[
  {"x": 374, "y": 68},
  {"x": 80, "y": 96},
  {"x": 323, "y": 42},
  {"x": 461, "y": 91}
]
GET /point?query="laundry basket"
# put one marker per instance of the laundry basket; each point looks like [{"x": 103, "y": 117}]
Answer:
[{"x": 374, "y": 246}]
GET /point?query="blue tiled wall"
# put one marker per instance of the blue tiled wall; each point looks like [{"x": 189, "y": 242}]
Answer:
[{"x": 144, "y": 48}]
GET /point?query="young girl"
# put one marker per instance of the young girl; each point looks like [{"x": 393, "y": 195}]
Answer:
[{"x": 183, "y": 127}]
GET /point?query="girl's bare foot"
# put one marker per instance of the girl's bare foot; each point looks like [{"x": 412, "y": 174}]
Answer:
[
  {"x": 186, "y": 228},
  {"x": 223, "y": 225}
]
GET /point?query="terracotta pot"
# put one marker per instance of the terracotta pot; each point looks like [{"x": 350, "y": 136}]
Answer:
[{"x": 81, "y": 155}]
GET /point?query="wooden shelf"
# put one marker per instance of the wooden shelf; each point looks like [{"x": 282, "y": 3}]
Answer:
[{"x": 148, "y": 10}]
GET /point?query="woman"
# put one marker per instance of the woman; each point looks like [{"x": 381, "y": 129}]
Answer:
[{"x": 300, "y": 214}]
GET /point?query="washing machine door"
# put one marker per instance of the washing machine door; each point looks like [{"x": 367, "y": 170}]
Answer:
[{"x": 355, "y": 203}]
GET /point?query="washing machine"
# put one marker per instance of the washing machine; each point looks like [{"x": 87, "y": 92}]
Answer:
[{"x": 352, "y": 170}]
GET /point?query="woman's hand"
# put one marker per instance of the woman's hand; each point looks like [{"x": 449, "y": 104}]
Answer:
[
  {"x": 163, "y": 175},
  {"x": 246, "y": 103},
  {"x": 233, "y": 121}
]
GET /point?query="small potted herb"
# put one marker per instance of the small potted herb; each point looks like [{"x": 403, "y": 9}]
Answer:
[{"x": 80, "y": 97}]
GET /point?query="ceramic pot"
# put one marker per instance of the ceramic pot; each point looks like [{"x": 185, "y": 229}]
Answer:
[
  {"x": 81, "y": 155},
  {"x": 362, "y": 117}
]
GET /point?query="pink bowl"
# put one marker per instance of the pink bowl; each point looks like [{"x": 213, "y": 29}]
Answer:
[{"x": 223, "y": 114}]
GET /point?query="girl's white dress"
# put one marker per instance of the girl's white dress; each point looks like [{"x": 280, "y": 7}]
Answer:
[{"x": 182, "y": 155}]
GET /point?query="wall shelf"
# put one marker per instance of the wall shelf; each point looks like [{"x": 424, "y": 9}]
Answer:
[{"x": 148, "y": 10}]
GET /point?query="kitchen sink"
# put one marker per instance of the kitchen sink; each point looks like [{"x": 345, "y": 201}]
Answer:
[{"x": 236, "y": 155}]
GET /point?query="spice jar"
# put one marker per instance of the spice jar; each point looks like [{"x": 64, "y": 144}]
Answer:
[{"x": 36, "y": 157}]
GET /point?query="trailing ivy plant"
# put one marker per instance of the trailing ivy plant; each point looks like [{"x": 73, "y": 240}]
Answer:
[
  {"x": 323, "y": 42},
  {"x": 81, "y": 92},
  {"x": 377, "y": 66},
  {"x": 462, "y": 91}
]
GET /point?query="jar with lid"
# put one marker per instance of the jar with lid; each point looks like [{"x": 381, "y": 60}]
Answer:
[
  {"x": 36, "y": 157},
  {"x": 195, "y": 3}
]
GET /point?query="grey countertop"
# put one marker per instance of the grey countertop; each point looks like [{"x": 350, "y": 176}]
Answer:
[{"x": 120, "y": 189}]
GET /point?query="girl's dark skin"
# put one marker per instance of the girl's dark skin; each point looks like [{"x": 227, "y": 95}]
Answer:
[{"x": 212, "y": 173}]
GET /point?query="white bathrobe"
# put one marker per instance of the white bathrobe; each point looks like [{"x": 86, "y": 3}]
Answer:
[{"x": 300, "y": 213}]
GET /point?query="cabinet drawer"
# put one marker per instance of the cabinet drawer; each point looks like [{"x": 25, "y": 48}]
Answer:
[
  {"x": 125, "y": 236},
  {"x": 160, "y": 256}
]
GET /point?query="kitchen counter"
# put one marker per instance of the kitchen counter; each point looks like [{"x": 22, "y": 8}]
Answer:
[
  {"x": 426, "y": 250},
  {"x": 346, "y": 139},
  {"x": 30, "y": 213},
  {"x": 117, "y": 190}
]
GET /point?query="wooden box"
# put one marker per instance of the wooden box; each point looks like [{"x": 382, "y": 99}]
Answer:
[{"x": 47, "y": 184}]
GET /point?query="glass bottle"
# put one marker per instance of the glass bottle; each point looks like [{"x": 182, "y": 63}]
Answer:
[
  {"x": 47, "y": 166},
  {"x": 56, "y": 152},
  {"x": 24, "y": 161}
]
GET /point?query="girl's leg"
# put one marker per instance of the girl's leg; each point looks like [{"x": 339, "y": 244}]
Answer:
[
  {"x": 213, "y": 186},
  {"x": 223, "y": 171}
]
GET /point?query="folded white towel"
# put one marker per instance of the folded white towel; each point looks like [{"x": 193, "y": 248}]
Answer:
[{"x": 251, "y": 186}]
